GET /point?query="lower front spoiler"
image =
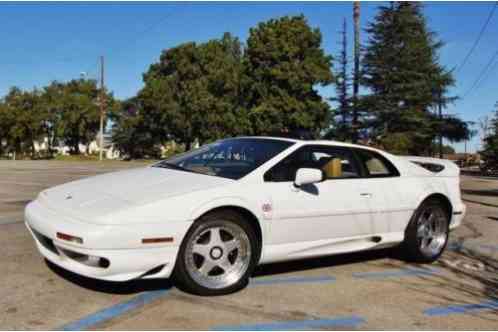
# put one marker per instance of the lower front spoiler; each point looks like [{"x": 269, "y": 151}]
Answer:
[
  {"x": 457, "y": 216},
  {"x": 121, "y": 265}
]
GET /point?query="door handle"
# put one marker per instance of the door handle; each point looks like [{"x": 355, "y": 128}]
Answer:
[{"x": 367, "y": 195}]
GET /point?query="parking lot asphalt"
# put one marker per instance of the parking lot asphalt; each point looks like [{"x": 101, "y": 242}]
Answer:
[{"x": 369, "y": 290}]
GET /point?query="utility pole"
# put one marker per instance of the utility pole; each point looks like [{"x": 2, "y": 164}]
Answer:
[
  {"x": 356, "y": 75},
  {"x": 440, "y": 115},
  {"x": 344, "y": 69},
  {"x": 102, "y": 108}
]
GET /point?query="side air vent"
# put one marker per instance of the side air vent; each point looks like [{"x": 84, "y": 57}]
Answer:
[
  {"x": 434, "y": 168},
  {"x": 376, "y": 239}
]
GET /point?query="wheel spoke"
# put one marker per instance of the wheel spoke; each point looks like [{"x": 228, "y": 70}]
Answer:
[
  {"x": 425, "y": 242},
  {"x": 207, "y": 266},
  {"x": 430, "y": 218},
  {"x": 421, "y": 231},
  {"x": 224, "y": 264},
  {"x": 201, "y": 249},
  {"x": 231, "y": 245},
  {"x": 215, "y": 238}
]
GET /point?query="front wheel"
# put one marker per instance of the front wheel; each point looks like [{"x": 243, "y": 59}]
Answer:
[
  {"x": 427, "y": 233},
  {"x": 217, "y": 255}
]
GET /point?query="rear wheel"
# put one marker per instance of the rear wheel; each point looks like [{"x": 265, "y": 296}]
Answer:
[
  {"x": 217, "y": 255},
  {"x": 427, "y": 233}
]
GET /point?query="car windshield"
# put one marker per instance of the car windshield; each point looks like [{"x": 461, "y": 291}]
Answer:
[{"x": 230, "y": 158}]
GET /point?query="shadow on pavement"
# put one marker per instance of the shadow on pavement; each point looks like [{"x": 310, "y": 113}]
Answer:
[
  {"x": 478, "y": 174},
  {"x": 479, "y": 202},
  {"x": 490, "y": 192},
  {"x": 127, "y": 287},
  {"x": 459, "y": 284},
  {"x": 321, "y": 262},
  {"x": 142, "y": 285}
]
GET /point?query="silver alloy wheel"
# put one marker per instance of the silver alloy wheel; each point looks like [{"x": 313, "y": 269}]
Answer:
[
  {"x": 432, "y": 229},
  {"x": 218, "y": 256}
]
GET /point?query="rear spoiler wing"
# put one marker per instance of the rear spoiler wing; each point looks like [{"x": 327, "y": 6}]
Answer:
[{"x": 440, "y": 167}]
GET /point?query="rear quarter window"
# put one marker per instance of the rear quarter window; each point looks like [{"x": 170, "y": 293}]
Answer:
[{"x": 376, "y": 165}]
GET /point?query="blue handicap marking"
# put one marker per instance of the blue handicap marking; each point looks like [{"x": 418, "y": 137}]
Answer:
[
  {"x": 291, "y": 280},
  {"x": 410, "y": 271},
  {"x": 456, "y": 246},
  {"x": 351, "y": 321},
  {"x": 461, "y": 308},
  {"x": 490, "y": 247},
  {"x": 113, "y": 311}
]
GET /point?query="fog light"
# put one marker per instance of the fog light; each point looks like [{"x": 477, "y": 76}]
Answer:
[{"x": 70, "y": 238}]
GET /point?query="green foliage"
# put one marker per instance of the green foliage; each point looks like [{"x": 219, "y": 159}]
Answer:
[
  {"x": 490, "y": 152},
  {"x": 397, "y": 143},
  {"x": 79, "y": 113},
  {"x": 23, "y": 120},
  {"x": 61, "y": 112},
  {"x": 133, "y": 133},
  {"x": 401, "y": 68},
  {"x": 284, "y": 62},
  {"x": 341, "y": 116},
  {"x": 454, "y": 129},
  {"x": 447, "y": 149},
  {"x": 194, "y": 91}
]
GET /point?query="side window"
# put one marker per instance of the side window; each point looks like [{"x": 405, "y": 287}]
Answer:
[
  {"x": 335, "y": 163},
  {"x": 375, "y": 164}
]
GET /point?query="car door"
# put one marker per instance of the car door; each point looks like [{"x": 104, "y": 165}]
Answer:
[
  {"x": 390, "y": 197},
  {"x": 337, "y": 207}
]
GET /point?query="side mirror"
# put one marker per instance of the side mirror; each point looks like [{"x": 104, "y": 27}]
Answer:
[{"x": 307, "y": 176}]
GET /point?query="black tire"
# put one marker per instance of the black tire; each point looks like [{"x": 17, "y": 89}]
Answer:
[
  {"x": 184, "y": 280},
  {"x": 412, "y": 247}
]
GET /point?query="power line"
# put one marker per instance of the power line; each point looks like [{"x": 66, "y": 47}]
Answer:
[
  {"x": 482, "y": 73},
  {"x": 492, "y": 69},
  {"x": 483, "y": 29},
  {"x": 139, "y": 34}
]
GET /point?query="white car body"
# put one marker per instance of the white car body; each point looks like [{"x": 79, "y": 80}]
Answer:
[{"x": 114, "y": 212}]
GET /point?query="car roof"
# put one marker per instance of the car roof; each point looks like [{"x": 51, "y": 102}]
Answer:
[{"x": 306, "y": 141}]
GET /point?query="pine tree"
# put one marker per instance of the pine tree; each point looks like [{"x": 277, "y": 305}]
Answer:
[
  {"x": 401, "y": 69},
  {"x": 342, "y": 116},
  {"x": 490, "y": 152}
]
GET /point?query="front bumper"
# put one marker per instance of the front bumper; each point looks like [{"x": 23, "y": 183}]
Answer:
[{"x": 108, "y": 252}]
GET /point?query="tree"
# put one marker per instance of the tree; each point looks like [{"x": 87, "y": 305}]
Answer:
[
  {"x": 194, "y": 91},
  {"x": 221, "y": 63},
  {"x": 75, "y": 111},
  {"x": 5, "y": 125},
  {"x": 24, "y": 117},
  {"x": 52, "y": 106},
  {"x": 402, "y": 71},
  {"x": 342, "y": 115},
  {"x": 490, "y": 152},
  {"x": 284, "y": 62},
  {"x": 131, "y": 132}
]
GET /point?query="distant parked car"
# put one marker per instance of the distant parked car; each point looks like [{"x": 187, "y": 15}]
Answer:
[{"x": 209, "y": 216}]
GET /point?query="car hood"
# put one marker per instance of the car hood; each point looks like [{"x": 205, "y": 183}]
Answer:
[{"x": 104, "y": 194}]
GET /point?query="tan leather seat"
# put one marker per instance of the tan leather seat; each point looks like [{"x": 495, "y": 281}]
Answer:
[
  {"x": 333, "y": 169},
  {"x": 375, "y": 166}
]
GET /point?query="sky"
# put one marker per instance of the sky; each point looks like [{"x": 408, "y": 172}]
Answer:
[{"x": 42, "y": 42}]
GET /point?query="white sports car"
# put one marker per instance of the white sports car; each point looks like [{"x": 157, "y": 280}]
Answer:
[{"x": 209, "y": 216}]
